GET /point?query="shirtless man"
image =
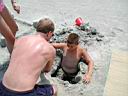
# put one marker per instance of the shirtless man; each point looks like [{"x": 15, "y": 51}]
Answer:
[
  {"x": 31, "y": 55},
  {"x": 72, "y": 54}
]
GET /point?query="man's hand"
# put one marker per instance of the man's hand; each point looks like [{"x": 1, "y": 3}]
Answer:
[
  {"x": 16, "y": 7},
  {"x": 87, "y": 79}
]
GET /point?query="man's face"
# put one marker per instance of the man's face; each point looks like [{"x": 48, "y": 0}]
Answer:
[
  {"x": 50, "y": 35},
  {"x": 72, "y": 46}
]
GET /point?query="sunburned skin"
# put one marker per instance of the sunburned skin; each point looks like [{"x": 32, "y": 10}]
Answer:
[{"x": 27, "y": 62}]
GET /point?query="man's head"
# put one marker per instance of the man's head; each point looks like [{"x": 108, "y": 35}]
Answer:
[
  {"x": 45, "y": 26},
  {"x": 73, "y": 40}
]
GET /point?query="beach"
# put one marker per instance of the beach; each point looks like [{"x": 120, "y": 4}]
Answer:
[{"x": 108, "y": 17}]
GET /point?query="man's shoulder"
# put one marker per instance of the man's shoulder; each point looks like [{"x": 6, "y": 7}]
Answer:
[
  {"x": 46, "y": 50},
  {"x": 49, "y": 48},
  {"x": 26, "y": 37},
  {"x": 82, "y": 49}
]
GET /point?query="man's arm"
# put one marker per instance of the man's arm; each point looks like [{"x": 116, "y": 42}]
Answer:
[
  {"x": 15, "y": 6},
  {"x": 90, "y": 64},
  {"x": 58, "y": 45},
  {"x": 51, "y": 57},
  {"x": 48, "y": 66}
]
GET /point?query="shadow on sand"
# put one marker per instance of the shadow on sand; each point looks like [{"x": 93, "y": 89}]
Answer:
[{"x": 3, "y": 68}]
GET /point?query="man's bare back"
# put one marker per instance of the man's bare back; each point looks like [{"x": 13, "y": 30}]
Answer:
[
  {"x": 27, "y": 62},
  {"x": 32, "y": 54}
]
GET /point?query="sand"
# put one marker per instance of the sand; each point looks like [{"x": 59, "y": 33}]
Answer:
[
  {"x": 108, "y": 17},
  {"x": 116, "y": 84}
]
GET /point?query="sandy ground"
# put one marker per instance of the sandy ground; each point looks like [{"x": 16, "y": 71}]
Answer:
[
  {"x": 109, "y": 17},
  {"x": 116, "y": 84}
]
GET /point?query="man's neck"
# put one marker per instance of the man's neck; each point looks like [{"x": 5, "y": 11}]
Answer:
[
  {"x": 43, "y": 35},
  {"x": 73, "y": 50}
]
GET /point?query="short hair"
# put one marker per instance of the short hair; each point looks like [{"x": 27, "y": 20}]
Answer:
[
  {"x": 45, "y": 25},
  {"x": 73, "y": 38}
]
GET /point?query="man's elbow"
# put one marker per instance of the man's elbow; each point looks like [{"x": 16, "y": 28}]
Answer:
[{"x": 90, "y": 63}]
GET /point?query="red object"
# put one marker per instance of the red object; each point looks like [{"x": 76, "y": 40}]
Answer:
[{"x": 79, "y": 21}]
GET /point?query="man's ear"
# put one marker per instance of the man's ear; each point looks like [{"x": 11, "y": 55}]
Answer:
[
  {"x": 51, "y": 33},
  {"x": 48, "y": 33}
]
